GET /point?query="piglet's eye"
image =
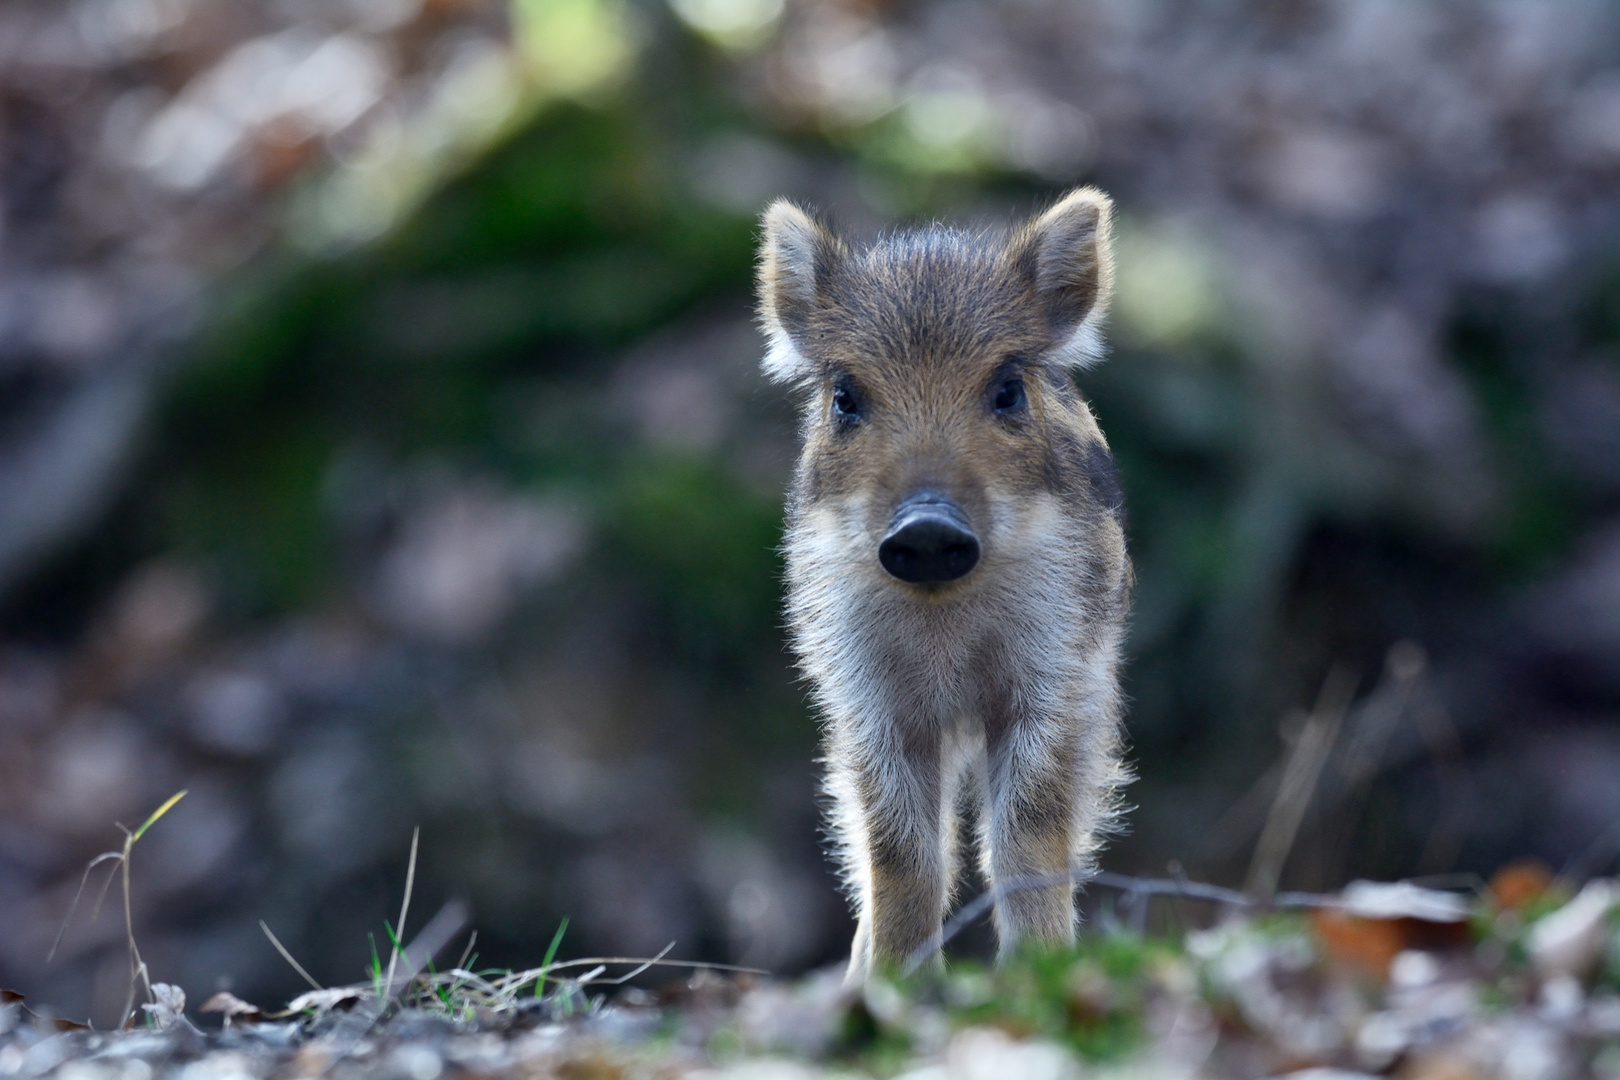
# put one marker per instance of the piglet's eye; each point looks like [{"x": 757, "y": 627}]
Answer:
[
  {"x": 1010, "y": 396},
  {"x": 846, "y": 402}
]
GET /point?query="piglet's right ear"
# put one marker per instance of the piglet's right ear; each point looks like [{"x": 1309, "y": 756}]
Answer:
[
  {"x": 1067, "y": 255},
  {"x": 795, "y": 257}
]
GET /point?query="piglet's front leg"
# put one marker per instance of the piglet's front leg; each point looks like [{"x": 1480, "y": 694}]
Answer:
[
  {"x": 888, "y": 792},
  {"x": 1028, "y": 829}
]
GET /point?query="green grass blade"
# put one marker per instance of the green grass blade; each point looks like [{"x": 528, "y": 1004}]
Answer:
[
  {"x": 551, "y": 954},
  {"x": 159, "y": 812}
]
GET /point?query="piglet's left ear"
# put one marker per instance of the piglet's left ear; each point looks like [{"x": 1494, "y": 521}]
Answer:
[
  {"x": 1067, "y": 255},
  {"x": 796, "y": 253}
]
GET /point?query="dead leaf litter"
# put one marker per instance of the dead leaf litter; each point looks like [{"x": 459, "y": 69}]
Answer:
[{"x": 1519, "y": 982}]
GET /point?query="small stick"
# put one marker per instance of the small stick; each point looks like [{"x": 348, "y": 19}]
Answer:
[
  {"x": 137, "y": 966},
  {"x": 1298, "y": 782},
  {"x": 518, "y": 978},
  {"x": 74, "y": 906},
  {"x": 434, "y": 937},
  {"x": 467, "y": 952},
  {"x": 1133, "y": 887},
  {"x": 639, "y": 968},
  {"x": 287, "y": 956},
  {"x": 404, "y": 908}
]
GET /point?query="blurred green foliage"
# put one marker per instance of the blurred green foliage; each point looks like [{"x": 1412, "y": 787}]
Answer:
[
  {"x": 1091, "y": 997},
  {"x": 513, "y": 287},
  {"x": 701, "y": 543}
]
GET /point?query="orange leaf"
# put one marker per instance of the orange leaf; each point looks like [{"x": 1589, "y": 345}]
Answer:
[{"x": 1519, "y": 884}]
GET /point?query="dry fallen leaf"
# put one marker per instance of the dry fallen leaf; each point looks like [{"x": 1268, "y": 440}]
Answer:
[
  {"x": 337, "y": 997},
  {"x": 1519, "y": 884},
  {"x": 1377, "y": 922},
  {"x": 54, "y": 1023},
  {"x": 168, "y": 1007},
  {"x": 1571, "y": 940},
  {"x": 1403, "y": 900},
  {"x": 233, "y": 1007}
]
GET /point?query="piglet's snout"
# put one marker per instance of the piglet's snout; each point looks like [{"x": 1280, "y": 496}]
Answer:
[{"x": 929, "y": 541}]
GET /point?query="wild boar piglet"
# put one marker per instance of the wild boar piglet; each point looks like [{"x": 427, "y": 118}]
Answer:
[{"x": 956, "y": 567}]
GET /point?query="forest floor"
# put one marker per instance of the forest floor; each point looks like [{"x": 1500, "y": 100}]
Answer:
[{"x": 1517, "y": 980}]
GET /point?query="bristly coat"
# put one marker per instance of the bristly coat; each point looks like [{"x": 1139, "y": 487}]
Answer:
[{"x": 957, "y": 576}]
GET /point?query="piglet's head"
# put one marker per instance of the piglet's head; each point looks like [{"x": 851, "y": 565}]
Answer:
[{"x": 936, "y": 365}]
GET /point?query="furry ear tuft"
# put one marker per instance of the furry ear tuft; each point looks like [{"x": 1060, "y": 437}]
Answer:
[
  {"x": 1067, "y": 254},
  {"x": 795, "y": 255}
]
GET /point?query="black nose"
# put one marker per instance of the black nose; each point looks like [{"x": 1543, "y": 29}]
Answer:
[{"x": 929, "y": 541}]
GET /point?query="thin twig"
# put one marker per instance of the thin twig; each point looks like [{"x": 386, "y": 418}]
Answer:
[
  {"x": 468, "y": 951},
  {"x": 434, "y": 936},
  {"x": 1136, "y": 887},
  {"x": 1305, "y": 760},
  {"x": 474, "y": 979},
  {"x": 518, "y": 978},
  {"x": 404, "y": 909},
  {"x": 639, "y": 968},
  {"x": 74, "y": 906},
  {"x": 445, "y": 925},
  {"x": 662, "y": 963},
  {"x": 137, "y": 966},
  {"x": 970, "y": 912},
  {"x": 287, "y": 956}
]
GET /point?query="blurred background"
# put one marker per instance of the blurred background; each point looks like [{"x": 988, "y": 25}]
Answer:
[{"x": 381, "y": 445}]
